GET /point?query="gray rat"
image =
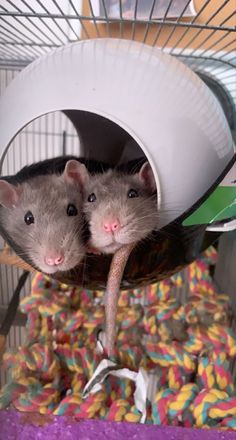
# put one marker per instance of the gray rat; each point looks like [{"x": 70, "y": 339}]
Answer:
[
  {"x": 42, "y": 218},
  {"x": 120, "y": 208}
]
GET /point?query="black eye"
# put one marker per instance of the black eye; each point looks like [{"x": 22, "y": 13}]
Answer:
[
  {"x": 132, "y": 193},
  {"x": 71, "y": 210},
  {"x": 92, "y": 197},
  {"x": 29, "y": 218}
]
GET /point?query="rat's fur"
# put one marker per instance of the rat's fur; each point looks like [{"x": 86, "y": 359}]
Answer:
[
  {"x": 137, "y": 216},
  {"x": 47, "y": 197}
]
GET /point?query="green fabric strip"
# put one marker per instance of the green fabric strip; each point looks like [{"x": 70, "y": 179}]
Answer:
[{"x": 220, "y": 205}]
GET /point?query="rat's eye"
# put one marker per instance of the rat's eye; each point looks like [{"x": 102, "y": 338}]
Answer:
[
  {"x": 29, "y": 218},
  {"x": 132, "y": 193},
  {"x": 71, "y": 210},
  {"x": 92, "y": 197}
]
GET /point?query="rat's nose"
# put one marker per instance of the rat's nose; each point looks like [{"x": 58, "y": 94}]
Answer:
[
  {"x": 112, "y": 225},
  {"x": 54, "y": 260}
]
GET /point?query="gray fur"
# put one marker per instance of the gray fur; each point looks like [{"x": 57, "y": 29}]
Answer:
[
  {"x": 47, "y": 197},
  {"x": 138, "y": 216}
]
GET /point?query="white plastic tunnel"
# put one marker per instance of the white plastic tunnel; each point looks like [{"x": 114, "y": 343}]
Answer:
[{"x": 114, "y": 90}]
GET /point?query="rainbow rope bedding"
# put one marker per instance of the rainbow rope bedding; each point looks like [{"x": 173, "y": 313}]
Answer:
[{"x": 187, "y": 347}]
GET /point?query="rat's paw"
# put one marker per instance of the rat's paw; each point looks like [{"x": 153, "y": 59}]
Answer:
[{"x": 94, "y": 251}]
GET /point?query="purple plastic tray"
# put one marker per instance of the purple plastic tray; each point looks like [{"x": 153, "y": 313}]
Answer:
[{"x": 19, "y": 426}]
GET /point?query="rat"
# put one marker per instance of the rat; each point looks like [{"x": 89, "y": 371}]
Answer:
[
  {"x": 41, "y": 215},
  {"x": 120, "y": 208}
]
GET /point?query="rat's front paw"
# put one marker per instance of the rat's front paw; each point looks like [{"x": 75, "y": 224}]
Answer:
[{"x": 94, "y": 251}]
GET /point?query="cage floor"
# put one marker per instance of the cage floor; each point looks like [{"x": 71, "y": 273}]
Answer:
[{"x": 58, "y": 323}]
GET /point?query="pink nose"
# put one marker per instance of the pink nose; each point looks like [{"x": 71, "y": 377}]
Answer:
[
  {"x": 111, "y": 225},
  {"x": 54, "y": 260}
]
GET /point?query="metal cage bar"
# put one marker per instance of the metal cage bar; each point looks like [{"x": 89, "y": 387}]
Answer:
[{"x": 29, "y": 30}]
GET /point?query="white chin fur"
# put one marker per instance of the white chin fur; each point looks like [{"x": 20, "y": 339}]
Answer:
[
  {"x": 111, "y": 248},
  {"x": 50, "y": 269}
]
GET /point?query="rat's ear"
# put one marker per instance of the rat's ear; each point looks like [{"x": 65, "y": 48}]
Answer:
[
  {"x": 75, "y": 171},
  {"x": 9, "y": 194},
  {"x": 147, "y": 177}
]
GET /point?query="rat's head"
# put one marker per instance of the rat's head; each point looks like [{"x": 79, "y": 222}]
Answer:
[
  {"x": 43, "y": 218},
  {"x": 120, "y": 208}
]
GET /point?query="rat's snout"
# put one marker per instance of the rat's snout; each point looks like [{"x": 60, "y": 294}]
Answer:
[
  {"x": 111, "y": 225},
  {"x": 54, "y": 259}
]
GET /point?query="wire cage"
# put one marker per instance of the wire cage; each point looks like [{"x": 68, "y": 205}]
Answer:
[
  {"x": 205, "y": 40},
  {"x": 201, "y": 34}
]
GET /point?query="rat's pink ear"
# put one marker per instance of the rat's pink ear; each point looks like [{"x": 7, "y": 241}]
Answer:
[
  {"x": 147, "y": 177},
  {"x": 76, "y": 172},
  {"x": 9, "y": 194}
]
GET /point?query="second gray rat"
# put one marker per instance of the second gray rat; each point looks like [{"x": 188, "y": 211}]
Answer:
[
  {"x": 41, "y": 218},
  {"x": 120, "y": 208}
]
